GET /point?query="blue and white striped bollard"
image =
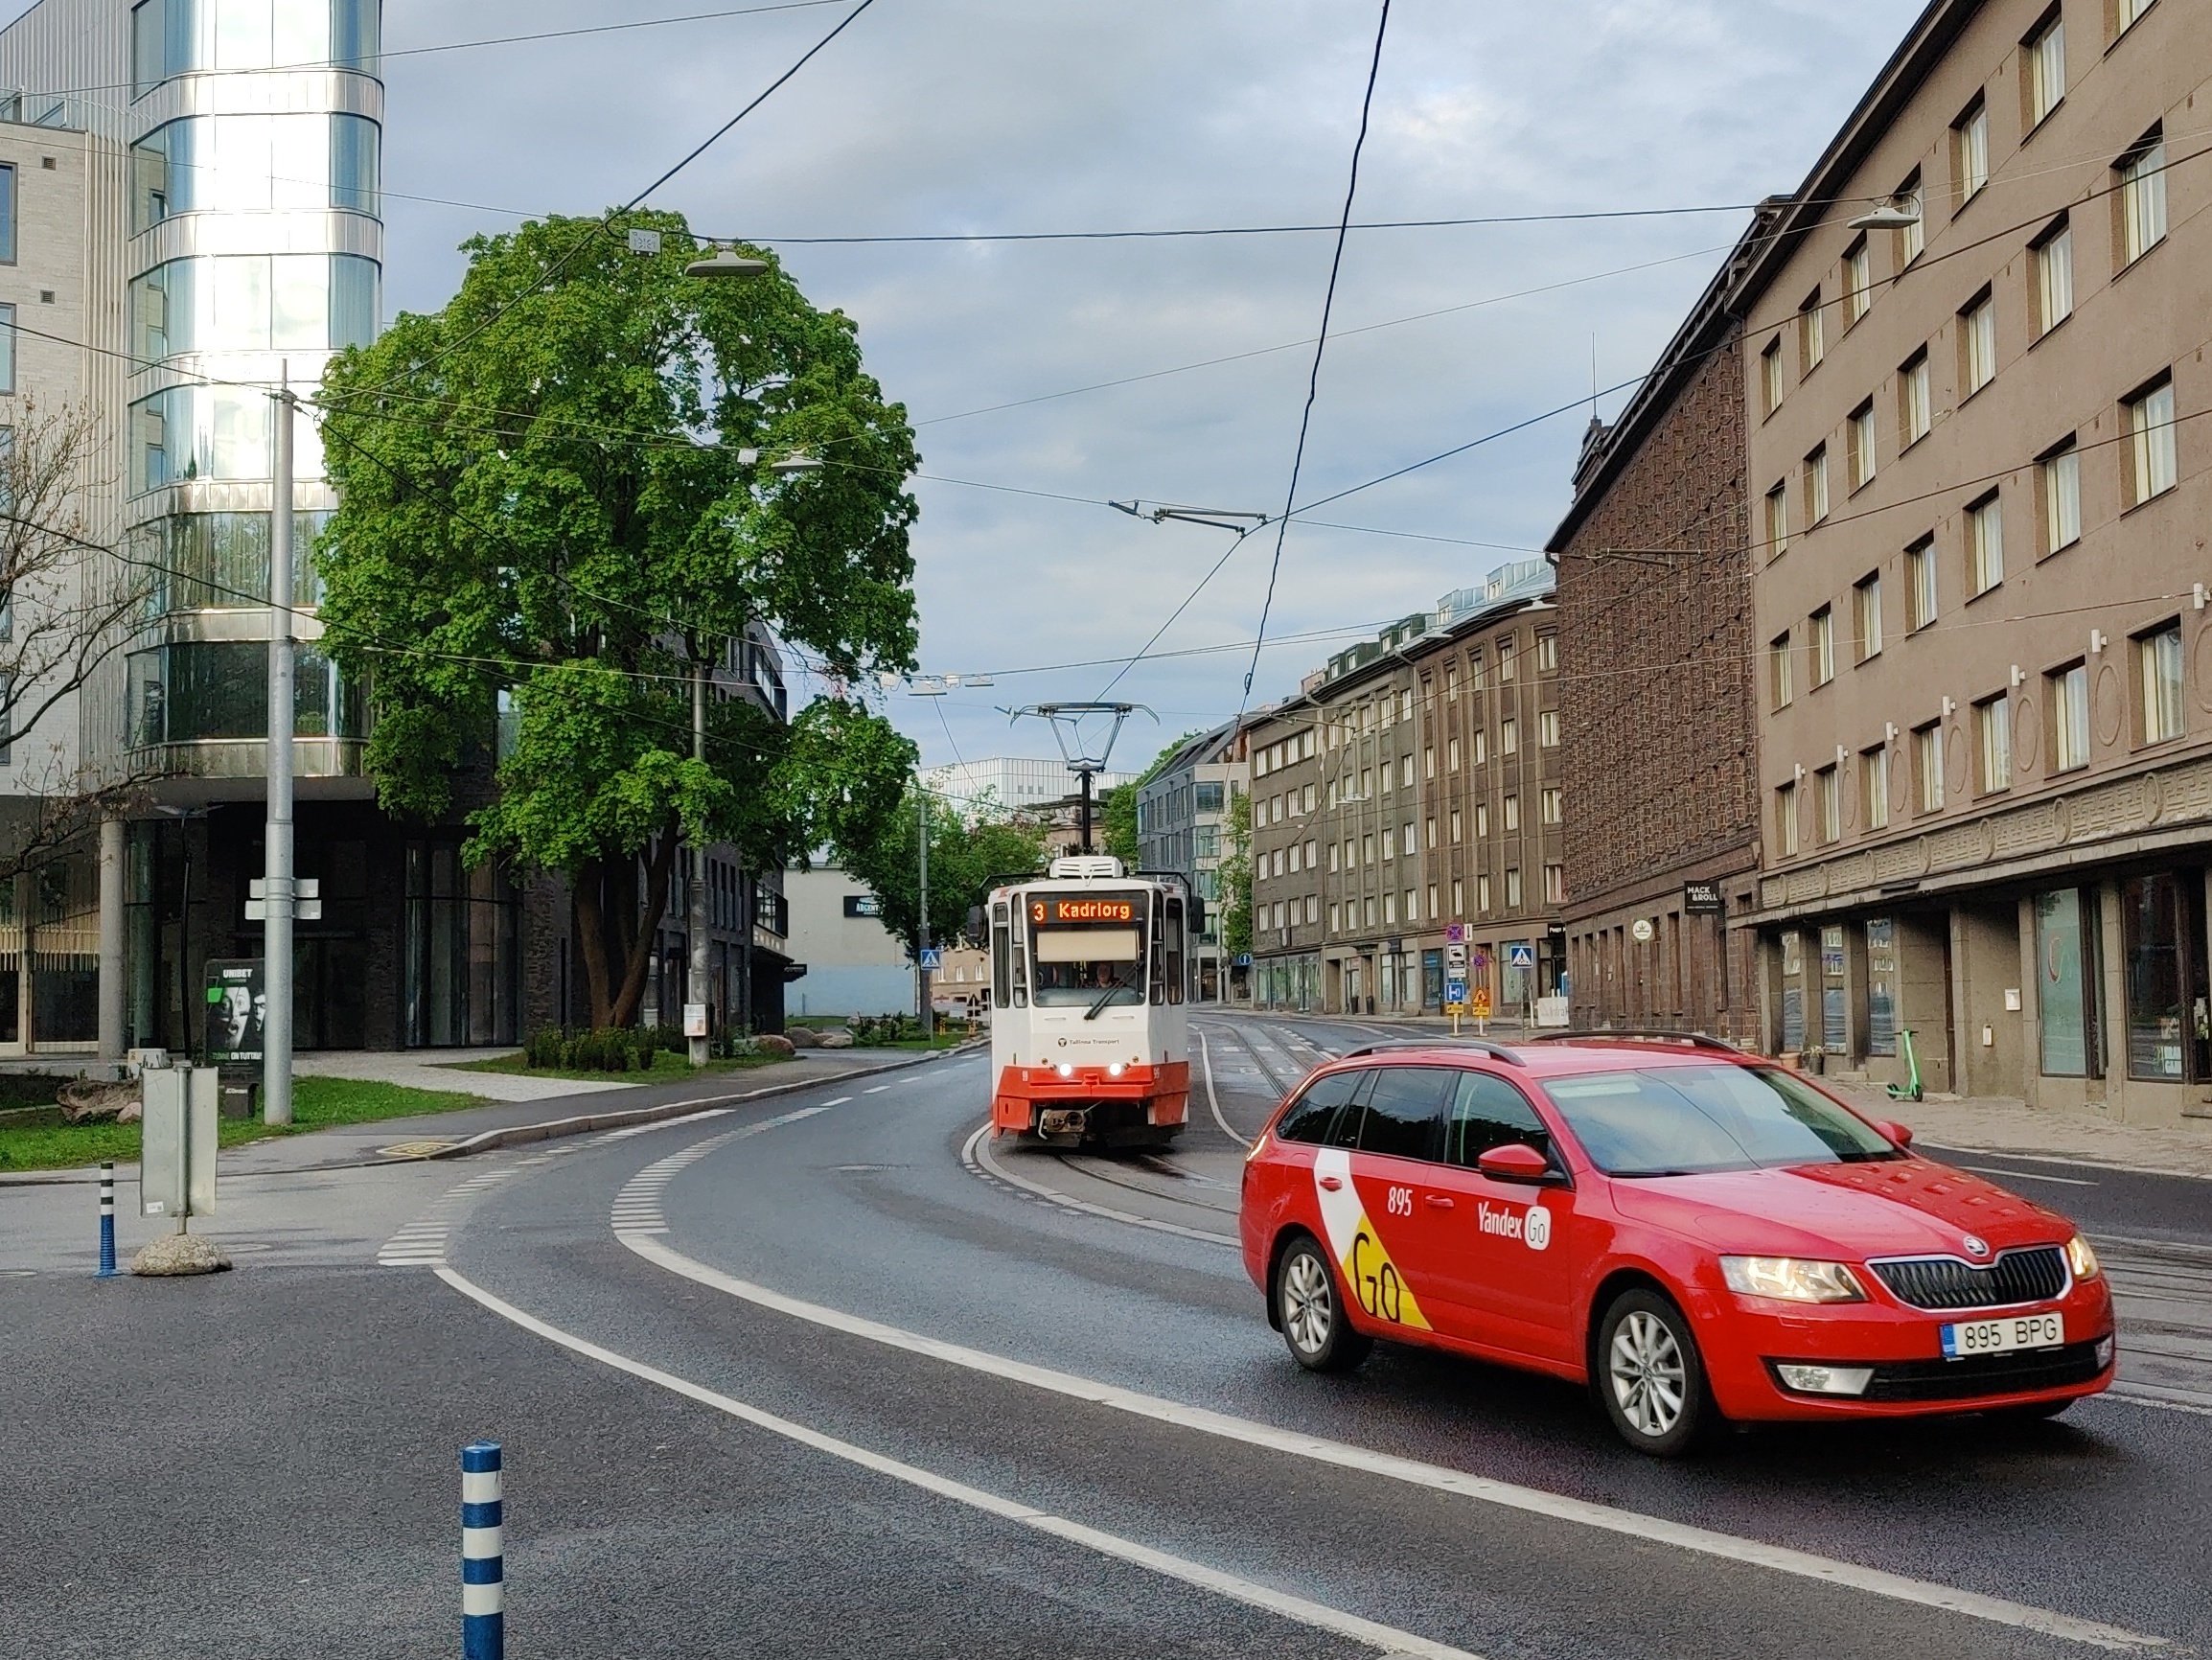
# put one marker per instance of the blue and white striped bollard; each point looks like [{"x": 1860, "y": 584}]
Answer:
[
  {"x": 483, "y": 1571},
  {"x": 107, "y": 1220}
]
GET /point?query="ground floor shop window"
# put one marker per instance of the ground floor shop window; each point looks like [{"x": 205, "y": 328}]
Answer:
[
  {"x": 463, "y": 951},
  {"x": 2066, "y": 983},
  {"x": 1792, "y": 990},
  {"x": 1882, "y": 985},
  {"x": 1831, "y": 989},
  {"x": 2169, "y": 1026}
]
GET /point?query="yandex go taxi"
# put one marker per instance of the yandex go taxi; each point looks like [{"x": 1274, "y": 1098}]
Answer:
[{"x": 1698, "y": 1234}]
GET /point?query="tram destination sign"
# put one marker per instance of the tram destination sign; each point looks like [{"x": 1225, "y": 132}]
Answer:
[{"x": 1116, "y": 912}]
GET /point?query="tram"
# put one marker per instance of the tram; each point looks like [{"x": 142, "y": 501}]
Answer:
[{"x": 1090, "y": 1033}]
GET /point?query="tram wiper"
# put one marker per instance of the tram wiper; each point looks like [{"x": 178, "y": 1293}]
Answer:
[{"x": 1099, "y": 1007}]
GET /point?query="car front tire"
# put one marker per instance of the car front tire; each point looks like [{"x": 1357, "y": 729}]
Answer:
[
  {"x": 1650, "y": 1377},
  {"x": 1309, "y": 1308}
]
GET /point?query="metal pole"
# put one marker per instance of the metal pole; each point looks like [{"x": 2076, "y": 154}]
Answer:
[
  {"x": 699, "y": 943},
  {"x": 106, "y": 1219},
  {"x": 483, "y": 1554},
  {"x": 277, "y": 888},
  {"x": 1086, "y": 811},
  {"x": 922, "y": 935}
]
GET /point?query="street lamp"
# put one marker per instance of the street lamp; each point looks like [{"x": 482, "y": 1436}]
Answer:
[
  {"x": 725, "y": 262},
  {"x": 797, "y": 461},
  {"x": 1898, "y": 213}
]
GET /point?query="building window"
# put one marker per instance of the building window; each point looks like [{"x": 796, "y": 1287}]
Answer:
[
  {"x": 1451, "y": 754},
  {"x": 2066, "y": 992},
  {"x": 1510, "y": 811},
  {"x": 1429, "y": 761},
  {"x": 2054, "y": 278},
  {"x": 1476, "y": 677},
  {"x": 2149, "y": 423},
  {"x": 1770, "y": 374},
  {"x": 2163, "y": 936},
  {"x": 254, "y": 164},
  {"x": 1547, "y": 653},
  {"x": 1821, "y": 648},
  {"x": 7, "y": 215},
  {"x": 2059, "y": 482},
  {"x": 1994, "y": 735},
  {"x": 1812, "y": 333},
  {"x": 1816, "y": 486},
  {"x": 1927, "y": 748},
  {"x": 2069, "y": 700},
  {"x": 1513, "y": 890},
  {"x": 1481, "y": 820},
  {"x": 1554, "y": 806},
  {"x": 1406, "y": 769},
  {"x": 1430, "y": 828},
  {"x": 2125, "y": 13},
  {"x": 1912, "y": 400},
  {"x": 1873, "y": 785},
  {"x": 1777, "y": 521},
  {"x": 1406, "y": 843},
  {"x": 2159, "y": 659},
  {"x": 1866, "y": 609},
  {"x": 6, "y": 349},
  {"x": 1985, "y": 544},
  {"x": 1548, "y": 728},
  {"x": 1459, "y": 897},
  {"x": 1786, "y": 820},
  {"x": 1862, "y": 444},
  {"x": 1779, "y": 670},
  {"x": 1828, "y": 796},
  {"x": 1507, "y": 665},
  {"x": 1456, "y": 822},
  {"x": 1508, "y": 736},
  {"x": 1913, "y": 237},
  {"x": 1335, "y": 916},
  {"x": 1858, "y": 283},
  {"x": 1978, "y": 343},
  {"x": 1389, "y": 902},
  {"x": 1481, "y": 745},
  {"x": 2045, "y": 54},
  {"x": 1554, "y": 884},
  {"x": 1920, "y": 571},
  {"x": 1483, "y": 894},
  {"x": 1970, "y": 151},
  {"x": 2142, "y": 197}
]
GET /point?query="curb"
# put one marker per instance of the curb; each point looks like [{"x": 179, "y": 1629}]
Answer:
[{"x": 522, "y": 1134}]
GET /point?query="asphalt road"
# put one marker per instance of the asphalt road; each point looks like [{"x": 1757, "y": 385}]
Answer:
[{"x": 826, "y": 1375}]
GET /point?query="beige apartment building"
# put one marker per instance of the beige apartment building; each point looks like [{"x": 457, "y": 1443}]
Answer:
[
  {"x": 1979, "y": 505},
  {"x": 1414, "y": 783}
]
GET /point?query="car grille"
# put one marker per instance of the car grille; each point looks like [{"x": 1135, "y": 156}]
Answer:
[
  {"x": 1984, "y": 1375},
  {"x": 2034, "y": 1275}
]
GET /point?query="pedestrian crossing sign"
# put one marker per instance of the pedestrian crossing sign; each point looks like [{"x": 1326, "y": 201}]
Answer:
[{"x": 932, "y": 960}]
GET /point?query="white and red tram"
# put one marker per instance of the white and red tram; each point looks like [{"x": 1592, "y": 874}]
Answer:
[{"x": 1090, "y": 1032}]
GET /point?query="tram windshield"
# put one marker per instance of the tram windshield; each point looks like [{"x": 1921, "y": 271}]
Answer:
[{"x": 1088, "y": 949}]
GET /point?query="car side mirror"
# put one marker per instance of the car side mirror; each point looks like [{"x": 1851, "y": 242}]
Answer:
[
  {"x": 1900, "y": 1134},
  {"x": 1515, "y": 1162}
]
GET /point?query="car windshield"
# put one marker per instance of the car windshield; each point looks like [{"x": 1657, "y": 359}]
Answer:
[{"x": 1681, "y": 1120}]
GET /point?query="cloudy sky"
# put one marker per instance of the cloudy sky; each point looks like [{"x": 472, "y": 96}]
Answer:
[{"x": 1026, "y": 115}]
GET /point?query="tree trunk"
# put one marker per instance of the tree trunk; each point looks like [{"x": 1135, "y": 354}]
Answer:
[
  {"x": 588, "y": 880},
  {"x": 640, "y": 952}
]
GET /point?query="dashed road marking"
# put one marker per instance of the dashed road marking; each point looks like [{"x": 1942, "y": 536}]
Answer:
[
  {"x": 421, "y": 1242},
  {"x": 636, "y": 1208},
  {"x": 875, "y": 1088},
  {"x": 976, "y": 1156}
]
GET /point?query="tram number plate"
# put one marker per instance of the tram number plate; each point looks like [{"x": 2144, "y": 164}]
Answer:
[{"x": 2003, "y": 1336}]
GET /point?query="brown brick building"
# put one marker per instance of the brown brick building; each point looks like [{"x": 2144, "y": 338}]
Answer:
[{"x": 1655, "y": 625}]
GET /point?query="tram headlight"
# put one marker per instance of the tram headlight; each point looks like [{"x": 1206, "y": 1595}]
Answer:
[
  {"x": 1065, "y": 1070},
  {"x": 1114, "y": 1070}
]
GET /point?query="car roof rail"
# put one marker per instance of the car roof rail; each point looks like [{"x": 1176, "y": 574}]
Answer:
[
  {"x": 1481, "y": 1046},
  {"x": 1639, "y": 1035}
]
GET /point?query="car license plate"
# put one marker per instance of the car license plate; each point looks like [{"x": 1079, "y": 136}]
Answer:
[{"x": 2003, "y": 1336}]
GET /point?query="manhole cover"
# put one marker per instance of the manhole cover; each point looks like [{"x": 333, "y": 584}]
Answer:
[{"x": 415, "y": 1149}]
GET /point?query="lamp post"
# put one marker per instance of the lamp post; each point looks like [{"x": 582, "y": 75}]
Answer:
[{"x": 277, "y": 887}]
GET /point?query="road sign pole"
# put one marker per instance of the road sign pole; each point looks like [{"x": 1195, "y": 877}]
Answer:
[{"x": 276, "y": 1068}]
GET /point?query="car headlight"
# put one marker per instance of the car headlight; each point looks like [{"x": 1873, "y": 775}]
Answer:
[
  {"x": 1791, "y": 1278},
  {"x": 2082, "y": 1259}
]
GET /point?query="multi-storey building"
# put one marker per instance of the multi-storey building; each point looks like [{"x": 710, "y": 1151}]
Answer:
[
  {"x": 1661, "y": 764},
  {"x": 1182, "y": 812},
  {"x": 1412, "y": 784},
  {"x": 1978, "y": 491},
  {"x": 202, "y": 179}
]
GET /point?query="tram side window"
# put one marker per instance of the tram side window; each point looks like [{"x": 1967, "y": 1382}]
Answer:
[
  {"x": 1175, "y": 969},
  {"x": 1311, "y": 1114},
  {"x": 1159, "y": 951},
  {"x": 1001, "y": 955}
]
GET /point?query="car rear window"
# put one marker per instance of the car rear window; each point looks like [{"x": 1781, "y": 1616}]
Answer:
[
  {"x": 1309, "y": 1115},
  {"x": 1681, "y": 1120}
]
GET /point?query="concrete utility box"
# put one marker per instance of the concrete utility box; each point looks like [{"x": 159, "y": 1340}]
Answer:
[{"x": 177, "y": 1158}]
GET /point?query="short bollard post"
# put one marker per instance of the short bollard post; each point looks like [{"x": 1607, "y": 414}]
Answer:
[
  {"x": 107, "y": 1220},
  {"x": 483, "y": 1574}
]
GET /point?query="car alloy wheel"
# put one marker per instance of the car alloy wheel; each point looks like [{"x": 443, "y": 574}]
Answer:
[
  {"x": 1311, "y": 1313},
  {"x": 1649, "y": 1376}
]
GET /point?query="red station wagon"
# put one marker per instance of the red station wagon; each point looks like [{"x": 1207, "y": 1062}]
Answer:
[{"x": 1698, "y": 1234}]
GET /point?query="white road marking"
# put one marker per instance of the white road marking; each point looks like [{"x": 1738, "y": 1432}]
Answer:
[
  {"x": 421, "y": 1242},
  {"x": 1385, "y": 1639},
  {"x": 1205, "y": 1056},
  {"x": 636, "y": 1207},
  {"x": 875, "y": 1090},
  {"x": 976, "y": 1156},
  {"x": 662, "y": 1125},
  {"x": 837, "y": 1101},
  {"x": 1654, "y": 1530}
]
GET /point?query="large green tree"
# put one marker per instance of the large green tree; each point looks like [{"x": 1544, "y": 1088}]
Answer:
[
  {"x": 967, "y": 854},
  {"x": 561, "y": 494}
]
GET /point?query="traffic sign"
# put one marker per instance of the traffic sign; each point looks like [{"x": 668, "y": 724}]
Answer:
[
  {"x": 1456, "y": 955},
  {"x": 1455, "y": 991},
  {"x": 1520, "y": 955},
  {"x": 1454, "y": 934},
  {"x": 932, "y": 960},
  {"x": 1479, "y": 1007}
]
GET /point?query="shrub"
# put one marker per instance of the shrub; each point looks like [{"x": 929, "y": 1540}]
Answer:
[{"x": 648, "y": 1043}]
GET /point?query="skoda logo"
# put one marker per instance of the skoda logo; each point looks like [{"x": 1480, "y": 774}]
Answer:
[{"x": 1976, "y": 1247}]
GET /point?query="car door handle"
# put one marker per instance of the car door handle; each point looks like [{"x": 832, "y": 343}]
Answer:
[
  {"x": 1438, "y": 1201},
  {"x": 1332, "y": 1183}
]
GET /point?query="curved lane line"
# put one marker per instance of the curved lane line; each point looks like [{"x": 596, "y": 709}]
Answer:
[
  {"x": 1206, "y": 1055},
  {"x": 1385, "y": 1639},
  {"x": 1654, "y": 1530},
  {"x": 976, "y": 1156}
]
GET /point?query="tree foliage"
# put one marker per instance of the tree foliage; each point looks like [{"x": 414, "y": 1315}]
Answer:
[
  {"x": 1235, "y": 875},
  {"x": 560, "y": 491},
  {"x": 967, "y": 856}
]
